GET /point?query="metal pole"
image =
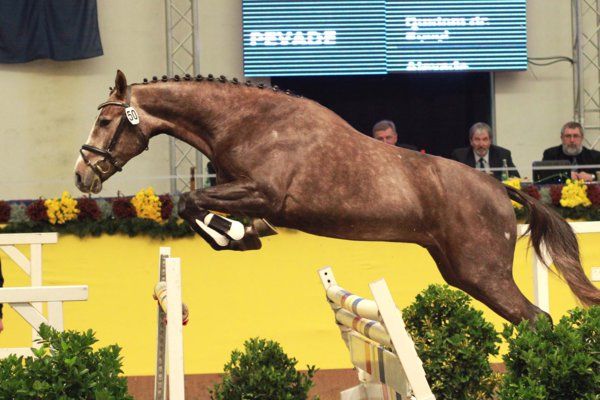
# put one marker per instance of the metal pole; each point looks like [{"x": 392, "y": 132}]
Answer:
[
  {"x": 200, "y": 167},
  {"x": 579, "y": 111},
  {"x": 493, "y": 107},
  {"x": 160, "y": 377},
  {"x": 196, "y": 34},
  {"x": 172, "y": 154}
]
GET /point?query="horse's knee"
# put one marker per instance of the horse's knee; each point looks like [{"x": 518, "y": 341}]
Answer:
[{"x": 188, "y": 208}]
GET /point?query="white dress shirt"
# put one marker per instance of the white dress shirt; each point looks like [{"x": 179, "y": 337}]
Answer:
[{"x": 486, "y": 162}]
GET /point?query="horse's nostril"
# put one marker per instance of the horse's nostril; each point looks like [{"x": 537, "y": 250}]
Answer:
[{"x": 77, "y": 179}]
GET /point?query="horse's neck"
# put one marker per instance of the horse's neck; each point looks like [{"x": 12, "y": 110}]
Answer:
[{"x": 189, "y": 111}]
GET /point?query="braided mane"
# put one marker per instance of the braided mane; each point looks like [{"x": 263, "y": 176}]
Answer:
[{"x": 211, "y": 78}]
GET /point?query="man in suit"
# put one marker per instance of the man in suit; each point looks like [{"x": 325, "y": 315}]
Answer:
[
  {"x": 482, "y": 154},
  {"x": 385, "y": 131},
  {"x": 572, "y": 150}
]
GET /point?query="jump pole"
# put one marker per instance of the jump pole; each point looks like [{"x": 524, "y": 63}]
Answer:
[{"x": 380, "y": 347}]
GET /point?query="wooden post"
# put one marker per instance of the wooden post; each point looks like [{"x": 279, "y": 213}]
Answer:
[{"x": 192, "y": 178}]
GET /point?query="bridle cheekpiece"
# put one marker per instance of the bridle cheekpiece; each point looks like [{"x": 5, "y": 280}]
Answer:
[{"x": 129, "y": 115}]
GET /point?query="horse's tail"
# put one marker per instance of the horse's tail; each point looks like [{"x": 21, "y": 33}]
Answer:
[{"x": 561, "y": 243}]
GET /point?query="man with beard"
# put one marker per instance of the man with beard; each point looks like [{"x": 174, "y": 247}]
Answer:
[
  {"x": 483, "y": 155},
  {"x": 572, "y": 150}
]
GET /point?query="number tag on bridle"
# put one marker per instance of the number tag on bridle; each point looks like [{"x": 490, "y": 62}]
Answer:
[{"x": 132, "y": 115}]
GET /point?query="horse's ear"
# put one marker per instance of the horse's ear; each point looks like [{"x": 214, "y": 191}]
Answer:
[{"x": 120, "y": 83}]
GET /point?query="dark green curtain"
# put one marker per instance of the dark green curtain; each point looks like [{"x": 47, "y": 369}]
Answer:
[{"x": 60, "y": 30}]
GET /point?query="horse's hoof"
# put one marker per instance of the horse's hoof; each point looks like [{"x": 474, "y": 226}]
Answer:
[
  {"x": 247, "y": 243},
  {"x": 188, "y": 210},
  {"x": 263, "y": 227}
]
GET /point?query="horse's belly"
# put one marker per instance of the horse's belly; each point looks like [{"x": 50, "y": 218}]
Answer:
[{"x": 369, "y": 229}]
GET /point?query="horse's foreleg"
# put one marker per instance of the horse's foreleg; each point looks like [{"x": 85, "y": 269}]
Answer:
[
  {"x": 239, "y": 197},
  {"x": 242, "y": 198}
]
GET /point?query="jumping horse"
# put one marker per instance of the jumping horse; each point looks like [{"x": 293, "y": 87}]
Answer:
[{"x": 286, "y": 159}]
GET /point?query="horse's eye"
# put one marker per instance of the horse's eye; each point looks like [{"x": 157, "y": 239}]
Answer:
[{"x": 104, "y": 121}]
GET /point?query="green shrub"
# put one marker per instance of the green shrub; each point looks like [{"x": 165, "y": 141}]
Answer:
[
  {"x": 454, "y": 342},
  {"x": 64, "y": 367},
  {"x": 551, "y": 363},
  {"x": 263, "y": 371}
]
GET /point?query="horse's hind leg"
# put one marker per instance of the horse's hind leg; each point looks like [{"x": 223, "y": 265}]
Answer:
[{"x": 488, "y": 278}]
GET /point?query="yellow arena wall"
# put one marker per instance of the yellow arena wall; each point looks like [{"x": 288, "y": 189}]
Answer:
[{"x": 273, "y": 293}]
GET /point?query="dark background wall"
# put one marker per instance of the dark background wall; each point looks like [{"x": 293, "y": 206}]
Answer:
[{"x": 432, "y": 111}]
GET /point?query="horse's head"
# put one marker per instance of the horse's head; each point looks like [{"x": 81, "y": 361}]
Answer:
[{"x": 116, "y": 137}]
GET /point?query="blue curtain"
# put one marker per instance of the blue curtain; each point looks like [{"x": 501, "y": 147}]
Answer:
[{"x": 60, "y": 30}]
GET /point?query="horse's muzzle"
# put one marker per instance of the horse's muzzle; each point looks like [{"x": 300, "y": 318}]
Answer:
[{"x": 88, "y": 182}]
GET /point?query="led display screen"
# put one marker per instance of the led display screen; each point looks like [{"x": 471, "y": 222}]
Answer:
[{"x": 349, "y": 37}]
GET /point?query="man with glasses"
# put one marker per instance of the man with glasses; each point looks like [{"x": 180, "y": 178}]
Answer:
[{"x": 572, "y": 150}]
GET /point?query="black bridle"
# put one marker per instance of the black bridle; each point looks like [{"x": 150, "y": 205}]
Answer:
[{"x": 128, "y": 111}]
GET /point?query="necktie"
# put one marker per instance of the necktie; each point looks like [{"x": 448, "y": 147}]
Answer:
[{"x": 481, "y": 164}]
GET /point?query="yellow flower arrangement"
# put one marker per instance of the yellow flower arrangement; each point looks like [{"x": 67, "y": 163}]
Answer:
[
  {"x": 61, "y": 210},
  {"x": 516, "y": 183},
  {"x": 574, "y": 194},
  {"x": 147, "y": 205}
]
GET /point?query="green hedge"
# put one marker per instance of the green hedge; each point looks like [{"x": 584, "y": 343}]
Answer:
[
  {"x": 65, "y": 367},
  {"x": 546, "y": 362},
  {"x": 454, "y": 342},
  {"x": 263, "y": 371}
]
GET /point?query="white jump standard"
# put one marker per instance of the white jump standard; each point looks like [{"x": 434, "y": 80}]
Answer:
[
  {"x": 169, "y": 333},
  {"x": 27, "y": 301},
  {"x": 380, "y": 348}
]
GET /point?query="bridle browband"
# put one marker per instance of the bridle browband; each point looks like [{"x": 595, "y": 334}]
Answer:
[{"x": 106, "y": 153}]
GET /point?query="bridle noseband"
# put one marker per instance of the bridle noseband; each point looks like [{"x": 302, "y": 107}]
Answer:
[{"x": 129, "y": 116}]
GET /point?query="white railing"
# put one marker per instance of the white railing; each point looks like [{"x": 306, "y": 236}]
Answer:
[
  {"x": 27, "y": 301},
  {"x": 540, "y": 271}
]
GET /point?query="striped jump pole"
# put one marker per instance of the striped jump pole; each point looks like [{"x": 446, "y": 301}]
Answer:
[
  {"x": 380, "y": 348},
  {"x": 171, "y": 315}
]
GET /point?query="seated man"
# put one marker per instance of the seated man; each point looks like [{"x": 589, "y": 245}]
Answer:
[
  {"x": 483, "y": 154},
  {"x": 572, "y": 150},
  {"x": 385, "y": 131}
]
